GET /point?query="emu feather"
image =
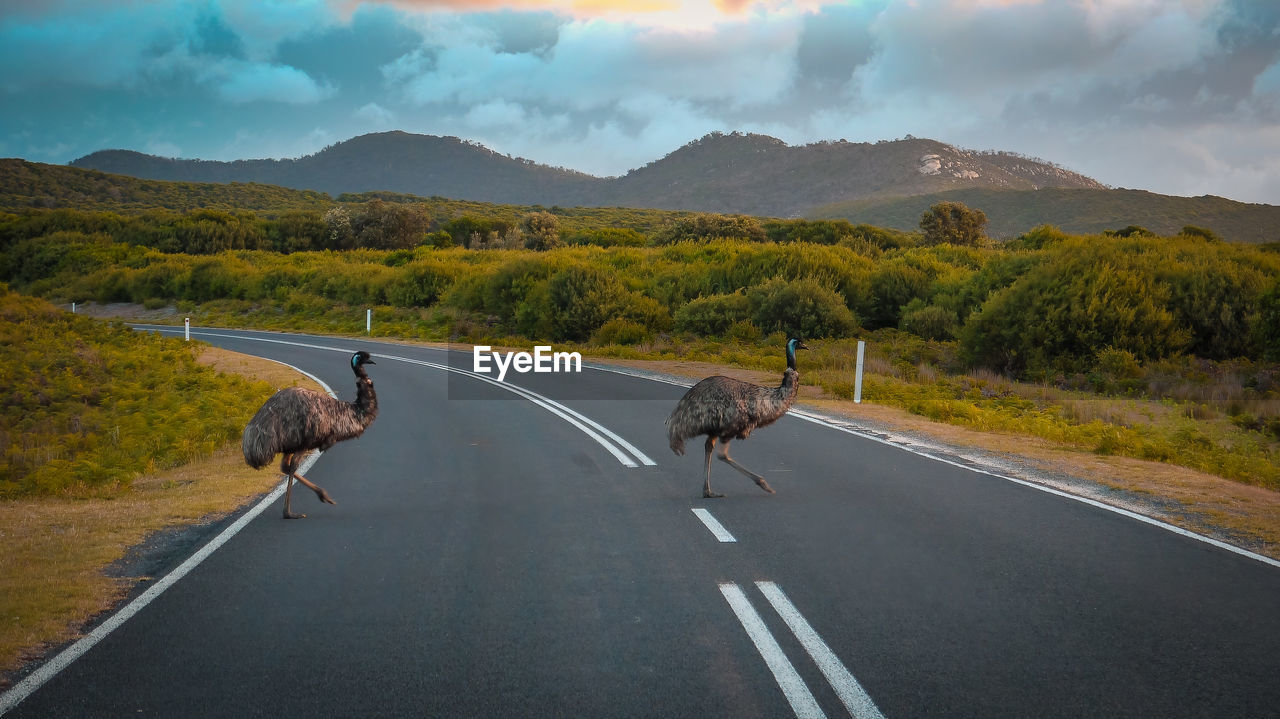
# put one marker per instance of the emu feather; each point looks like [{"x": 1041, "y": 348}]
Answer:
[
  {"x": 724, "y": 409},
  {"x": 296, "y": 420}
]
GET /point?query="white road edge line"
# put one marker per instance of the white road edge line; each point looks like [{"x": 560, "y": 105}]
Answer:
[
  {"x": 577, "y": 419},
  {"x": 828, "y": 422},
  {"x": 63, "y": 659},
  {"x": 713, "y": 524},
  {"x": 851, "y": 693},
  {"x": 793, "y": 687}
]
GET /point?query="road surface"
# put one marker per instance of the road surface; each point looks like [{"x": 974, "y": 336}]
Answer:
[{"x": 499, "y": 554}]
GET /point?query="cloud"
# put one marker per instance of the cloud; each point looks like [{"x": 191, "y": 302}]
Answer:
[
  {"x": 240, "y": 83},
  {"x": 376, "y": 115},
  {"x": 1172, "y": 95}
]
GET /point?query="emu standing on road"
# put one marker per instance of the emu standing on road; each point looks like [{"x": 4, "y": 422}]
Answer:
[
  {"x": 295, "y": 420},
  {"x": 726, "y": 409}
]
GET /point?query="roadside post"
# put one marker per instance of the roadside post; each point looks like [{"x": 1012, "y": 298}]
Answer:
[{"x": 857, "y": 377}]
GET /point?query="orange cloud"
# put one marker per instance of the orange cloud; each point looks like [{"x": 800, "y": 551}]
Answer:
[{"x": 692, "y": 10}]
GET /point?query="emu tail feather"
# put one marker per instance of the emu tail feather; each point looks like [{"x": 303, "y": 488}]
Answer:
[
  {"x": 677, "y": 442},
  {"x": 258, "y": 447}
]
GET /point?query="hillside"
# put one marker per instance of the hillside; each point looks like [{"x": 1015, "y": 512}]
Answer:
[
  {"x": 423, "y": 165},
  {"x": 759, "y": 175},
  {"x": 26, "y": 185},
  {"x": 750, "y": 174},
  {"x": 1076, "y": 210}
]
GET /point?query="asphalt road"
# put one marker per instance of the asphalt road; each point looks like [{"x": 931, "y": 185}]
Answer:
[{"x": 490, "y": 557}]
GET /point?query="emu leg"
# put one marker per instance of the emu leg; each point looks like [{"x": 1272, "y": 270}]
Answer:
[
  {"x": 724, "y": 456},
  {"x": 289, "y": 465},
  {"x": 706, "y": 488},
  {"x": 323, "y": 495}
]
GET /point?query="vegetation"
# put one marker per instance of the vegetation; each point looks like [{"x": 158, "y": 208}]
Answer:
[
  {"x": 1076, "y": 210},
  {"x": 1111, "y": 312},
  {"x": 953, "y": 223},
  {"x": 87, "y": 407}
]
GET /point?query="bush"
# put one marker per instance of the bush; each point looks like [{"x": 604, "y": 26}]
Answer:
[
  {"x": 1267, "y": 327},
  {"x": 708, "y": 226},
  {"x": 1088, "y": 296},
  {"x": 541, "y": 231},
  {"x": 713, "y": 315},
  {"x": 801, "y": 308},
  {"x": 893, "y": 286},
  {"x": 620, "y": 331},
  {"x": 929, "y": 321},
  {"x": 581, "y": 298},
  {"x": 953, "y": 223}
]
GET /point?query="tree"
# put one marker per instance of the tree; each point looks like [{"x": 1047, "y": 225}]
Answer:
[
  {"x": 542, "y": 231},
  {"x": 954, "y": 223}
]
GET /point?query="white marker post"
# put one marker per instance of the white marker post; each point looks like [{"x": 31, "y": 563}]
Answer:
[
  {"x": 857, "y": 377},
  {"x": 186, "y": 333},
  {"x": 73, "y": 308},
  {"x": 368, "y": 321}
]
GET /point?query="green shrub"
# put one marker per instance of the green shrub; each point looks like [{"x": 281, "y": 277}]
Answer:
[
  {"x": 580, "y": 299},
  {"x": 620, "y": 331},
  {"x": 929, "y": 321},
  {"x": 1061, "y": 313},
  {"x": 802, "y": 308},
  {"x": 711, "y": 316},
  {"x": 709, "y": 226}
]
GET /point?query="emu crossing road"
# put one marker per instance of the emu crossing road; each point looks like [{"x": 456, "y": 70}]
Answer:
[{"x": 490, "y": 558}]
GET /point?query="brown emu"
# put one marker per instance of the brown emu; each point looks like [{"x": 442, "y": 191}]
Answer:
[
  {"x": 726, "y": 409},
  {"x": 295, "y": 420}
]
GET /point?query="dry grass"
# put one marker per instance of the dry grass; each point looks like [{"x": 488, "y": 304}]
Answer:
[{"x": 53, "y": 574}]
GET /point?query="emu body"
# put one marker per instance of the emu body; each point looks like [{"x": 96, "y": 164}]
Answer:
[
  {"x": 296, "y": 420},
  {"x": 724, "y": 409}
]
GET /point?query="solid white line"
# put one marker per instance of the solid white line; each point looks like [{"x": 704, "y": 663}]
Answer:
[
  {"x": 50, "y": 669},
  {"x": 851, "y": 693},
  {"x": 713, "y": 524},
  {"x": 818, "y": 419},
  {"x": 837, "y": 425},
  {"x": 793, "y": 687}
]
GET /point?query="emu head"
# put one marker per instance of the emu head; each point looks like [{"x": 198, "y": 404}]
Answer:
[
  {"x": 794, "y": 344},
  {"x": 360, "y": 359}
]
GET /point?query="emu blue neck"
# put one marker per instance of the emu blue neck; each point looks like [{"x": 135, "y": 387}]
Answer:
[{"x": 791, "y": 354}]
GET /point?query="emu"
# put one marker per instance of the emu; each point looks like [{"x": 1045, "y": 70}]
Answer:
[
  {"x": 725, "y": 409},
  {"x": 295, "y": 420}
]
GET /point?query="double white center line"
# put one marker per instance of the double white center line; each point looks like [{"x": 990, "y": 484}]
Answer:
[{"x": 851, "y": 693}]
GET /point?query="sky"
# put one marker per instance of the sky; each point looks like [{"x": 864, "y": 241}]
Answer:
[{"x": 1179, "y": 97}]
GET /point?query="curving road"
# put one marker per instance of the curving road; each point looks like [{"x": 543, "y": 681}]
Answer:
[{"x": 542, "y": 554}]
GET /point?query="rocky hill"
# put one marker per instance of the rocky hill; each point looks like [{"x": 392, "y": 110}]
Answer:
[{"x": 752, "y": 174}]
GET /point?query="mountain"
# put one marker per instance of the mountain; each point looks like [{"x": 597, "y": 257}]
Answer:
[
  {"x": 887, "y": 183},
  {"x": 26, "y": 185},
  {"x": 760, "y": 175},
  {"x": 423, "y": 165},
  {"x": 742, "y": 173}
]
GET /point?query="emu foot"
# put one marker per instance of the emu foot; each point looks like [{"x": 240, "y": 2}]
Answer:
[
  {"x": 324, "y": 497},
  {"x": 711, "y": 495},
  {"x": 765, "y": 486},
  {"x": 291, "y": 515}
]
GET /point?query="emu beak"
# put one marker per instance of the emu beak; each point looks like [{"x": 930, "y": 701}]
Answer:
[
  {"x": 369, "y": 361},
  {"x": 802, "y": 346}
]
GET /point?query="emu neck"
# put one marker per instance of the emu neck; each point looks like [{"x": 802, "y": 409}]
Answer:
[
  {"x": 366, "y": 404},
  {"x": 790, "y": 384}
]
